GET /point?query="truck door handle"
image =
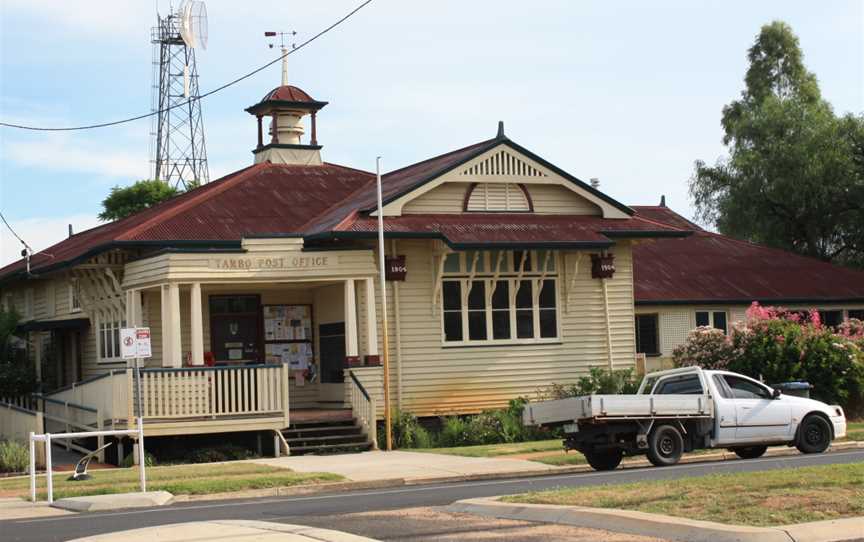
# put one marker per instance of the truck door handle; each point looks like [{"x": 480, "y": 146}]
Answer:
[{"x": 746, "y": 408}]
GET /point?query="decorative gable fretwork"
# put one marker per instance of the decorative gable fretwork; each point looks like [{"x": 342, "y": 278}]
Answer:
[
  {"x": 503, "y": 163},
  {"x": 99, "y": 285},
  {"x": 497, "y": 197}
]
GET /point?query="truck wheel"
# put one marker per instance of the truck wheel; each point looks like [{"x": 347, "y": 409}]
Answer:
[
  {"x": 750, "y": 452},
  {"x": 665, "y": 446},
  {"x": 814, "y": 435},
  {"x": 604, "y": 459}
]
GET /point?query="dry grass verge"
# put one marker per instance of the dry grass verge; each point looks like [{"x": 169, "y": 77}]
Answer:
[{"x": 778, "y": 497}]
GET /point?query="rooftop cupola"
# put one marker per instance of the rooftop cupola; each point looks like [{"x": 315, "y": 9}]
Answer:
[{"x": 286, "y": 106}]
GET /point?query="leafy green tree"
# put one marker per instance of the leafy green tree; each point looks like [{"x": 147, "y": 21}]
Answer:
[
  {"x": 17, "y": 375},
  {"x": 127, "y": 200},
  {"x": 794, "y": 178}
]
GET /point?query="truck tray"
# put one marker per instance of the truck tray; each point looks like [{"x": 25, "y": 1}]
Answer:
[{"x": 594, "y": 407}]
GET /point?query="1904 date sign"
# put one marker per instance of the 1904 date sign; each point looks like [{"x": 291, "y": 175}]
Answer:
[
  {"x": 395, "y": 268},
  {"x": 602, "y": 266}
]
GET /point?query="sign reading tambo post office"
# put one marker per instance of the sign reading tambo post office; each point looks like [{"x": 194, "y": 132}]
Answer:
[
  {"x": 135, "y": 342},
  {"x": 395, "y": 268},
  {"x": 260, "y": 263}
]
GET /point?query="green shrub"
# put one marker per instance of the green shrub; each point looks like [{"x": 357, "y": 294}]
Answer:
[
  {"x": 221, "y": 452},
  {"x": 599, "y": 381},
  {"x": 454, "y": 432},
  {"x": 14, "y": 456},
  {"x": 406, "y": 431},
  {"x": 485, "y": 428},
  {"x": 129, "y": 461}
]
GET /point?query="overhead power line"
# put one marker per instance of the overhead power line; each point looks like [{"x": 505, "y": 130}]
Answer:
[{"x": 201, "y": 97}]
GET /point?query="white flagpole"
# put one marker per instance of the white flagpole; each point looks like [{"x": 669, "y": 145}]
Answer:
[{"x": 385, "y": 357}]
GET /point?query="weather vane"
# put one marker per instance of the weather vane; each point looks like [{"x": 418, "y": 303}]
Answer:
[
  {"x": 284, "y": 49},
  {"x": 281, "y": 39}
]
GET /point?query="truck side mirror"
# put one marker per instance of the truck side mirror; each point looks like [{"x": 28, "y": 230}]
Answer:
[{"x": 777, "y": 393}]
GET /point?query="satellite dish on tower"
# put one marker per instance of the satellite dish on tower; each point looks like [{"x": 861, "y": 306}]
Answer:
[{"x": 193, "y": 24}]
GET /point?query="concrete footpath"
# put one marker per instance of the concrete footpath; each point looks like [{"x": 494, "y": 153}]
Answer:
[
  {"x": 234, "y": 530},
  {"x": 659, "y": 525},
  {"x": 408, "y": 466}
]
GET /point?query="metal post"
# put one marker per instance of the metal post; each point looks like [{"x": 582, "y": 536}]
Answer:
[
  {"x": 141, "y": 458},
  {"x": 140, "y": 402},
  {"x": 32, "y": 468},
  {"x": 48, "y": 475},
  {"x": 385, "y": 358}
]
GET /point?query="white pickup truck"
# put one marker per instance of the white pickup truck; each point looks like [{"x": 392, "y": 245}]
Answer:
[{"x": 687, "y": 409}]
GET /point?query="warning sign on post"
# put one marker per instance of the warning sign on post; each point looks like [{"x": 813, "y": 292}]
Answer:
[{"x": 135, "y": 342}]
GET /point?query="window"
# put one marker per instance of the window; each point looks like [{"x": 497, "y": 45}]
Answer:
[
  {"x": 108, "y": 338},
  {"x": 74, "y": 296},
  {"x": 647, "y": 334},
  {"x": 686, "y": 385},
  {"x": 715, "y": 319},
  {"x": 831, "y": 318},
  {"x": 724, "y": 390},
  {"x": 490, "y": 296},
  {"x": 746, "y": 389},
  {"x": 858, "y": 314}
]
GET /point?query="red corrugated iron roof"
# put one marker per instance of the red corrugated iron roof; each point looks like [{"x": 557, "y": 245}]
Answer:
[
  {"x": 523, "y": 229},
  {"x": 708, "y": 267},
  {"x": 258, "y": 200},
  {"x": 288, "y": 93}
]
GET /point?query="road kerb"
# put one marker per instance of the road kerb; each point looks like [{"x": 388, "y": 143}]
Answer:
[{"x": 621, "y": 521}]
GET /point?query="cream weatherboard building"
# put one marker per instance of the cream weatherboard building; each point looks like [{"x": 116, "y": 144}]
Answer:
[{"x": 261, "y": 290}]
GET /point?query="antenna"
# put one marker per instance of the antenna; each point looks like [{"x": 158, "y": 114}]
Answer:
[
  {"x": 180, "y": 156},
  {"x": 271, "y": 34}
]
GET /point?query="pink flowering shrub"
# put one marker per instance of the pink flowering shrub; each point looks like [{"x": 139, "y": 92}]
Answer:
[
  {"x": 705, "y": 347},
  {"x": 779, "y": 345}
]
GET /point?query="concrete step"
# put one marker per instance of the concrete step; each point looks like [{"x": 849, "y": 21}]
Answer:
[
  {"x": 323, "y": 449},
  {"x": 328, "y": 439}
]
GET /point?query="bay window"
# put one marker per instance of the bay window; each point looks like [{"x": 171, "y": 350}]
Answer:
[{"x": 491, "y": 297}]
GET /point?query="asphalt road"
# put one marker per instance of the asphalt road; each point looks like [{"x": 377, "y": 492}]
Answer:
[{"x": 293, "y": 509}]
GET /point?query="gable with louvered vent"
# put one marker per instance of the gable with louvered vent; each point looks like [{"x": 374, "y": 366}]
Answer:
[
  {"x": 503, "y": 163},
  {"x": 497, "y": 197}
]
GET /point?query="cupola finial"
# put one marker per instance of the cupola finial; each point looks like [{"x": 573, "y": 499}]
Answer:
[{"x": 500, "y": 130}]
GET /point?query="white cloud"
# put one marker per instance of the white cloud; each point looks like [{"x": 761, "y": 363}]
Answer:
[
  {"x": 40, "y": 233},
  {"x": 61, "y": 153}
]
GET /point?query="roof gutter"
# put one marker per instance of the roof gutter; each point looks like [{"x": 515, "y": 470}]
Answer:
[{"x": 462, "y": 246}]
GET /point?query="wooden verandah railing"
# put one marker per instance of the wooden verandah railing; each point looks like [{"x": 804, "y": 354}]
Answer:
[{"x": 190, "y": 399}]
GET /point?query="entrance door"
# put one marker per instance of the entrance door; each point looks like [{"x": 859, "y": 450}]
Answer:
[
  {"x": 235, "y": 328},
  {"x": 331, "y": 340}
]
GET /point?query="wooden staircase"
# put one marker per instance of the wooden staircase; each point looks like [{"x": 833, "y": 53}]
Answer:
[{"x": 326, "y": 437}]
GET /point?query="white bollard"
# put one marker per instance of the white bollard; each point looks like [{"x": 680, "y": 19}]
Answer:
[
  {"x": 32, "y": 467},
  {"x": 48, "y": 475},
  {"x": 142, "y": 459}
]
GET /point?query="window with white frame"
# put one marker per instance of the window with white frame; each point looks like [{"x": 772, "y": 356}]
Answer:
[
  {"x": 715, "y": 319},
  {"x": 74, "y": 296},
  {"x": 491, "y": 297},
  {"x": 108, "y": 338}
]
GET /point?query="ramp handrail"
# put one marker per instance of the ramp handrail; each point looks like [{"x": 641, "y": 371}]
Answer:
[{"x": 363, "y": 406}]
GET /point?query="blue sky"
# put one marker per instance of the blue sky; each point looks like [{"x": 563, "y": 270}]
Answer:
[{"x": 630, "y": 92}]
